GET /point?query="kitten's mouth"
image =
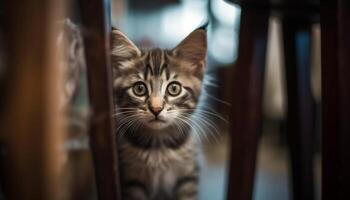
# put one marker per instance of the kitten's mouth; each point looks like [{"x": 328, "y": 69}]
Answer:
[{"x": 157, "y": 120}]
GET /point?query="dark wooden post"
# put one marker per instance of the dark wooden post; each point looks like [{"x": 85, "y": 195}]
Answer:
[
  {"x": 335, "y": 31},
  {"x": 297, "y": 44},
  {"x": 95, "y": 15},
  {"x": 31, "y": 119},
  {"x": 246, "y": 106}
]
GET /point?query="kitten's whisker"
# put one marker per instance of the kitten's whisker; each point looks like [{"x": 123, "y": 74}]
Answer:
[
  {"x": 125, "y": 120},
  {"x": 207, "y": 124},
  {"x": 126, "y": 117},
  {"x": 201, "y": 110},
  {"x": 185, "y": 122},
  {"x": 138, "y": 123},
  {"x": 122, "y": 113},
  {"x": 212, "y": 129},
  {"x": 126, "y": 108},
  {"x": 206, "y": 117},
  {"x": 193, "y": 126},
  {"x": 201, "y": 129},
  {"x": 177, "y": 126},
  {"x": 212, "y": 113},
  {"x": 217, "y": 99},
  {"x": 130, "y": 125}
]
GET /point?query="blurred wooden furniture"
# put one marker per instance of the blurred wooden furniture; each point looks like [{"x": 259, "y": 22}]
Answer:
[
  {"x": 335, "y": 26},
  {"x": 31, "y": 121},
  {"x": 246, "y": 110},
  {"x": 297, "y": 18},
  {"x": 95, "y": 16}
]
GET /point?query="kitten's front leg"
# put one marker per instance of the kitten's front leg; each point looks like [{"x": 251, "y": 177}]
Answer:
[
  {"x": 135, "y": 190},
  {"x": 187, "y": 188}
]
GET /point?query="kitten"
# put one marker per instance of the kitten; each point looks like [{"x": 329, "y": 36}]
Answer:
[{"x": 156, "y": 93}]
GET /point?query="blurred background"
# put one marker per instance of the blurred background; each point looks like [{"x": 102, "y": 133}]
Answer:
[{"x": 164, "y": 23}]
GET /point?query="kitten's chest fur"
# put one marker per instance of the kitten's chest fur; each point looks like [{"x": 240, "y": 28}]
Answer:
[
  {"x": 159, "y": 168},
  {"x": 160, "y": 158}
]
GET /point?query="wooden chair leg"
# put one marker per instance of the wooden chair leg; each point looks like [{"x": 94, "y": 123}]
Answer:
[
  {"x": 96, "y": 24},
  {"x": 297, "y": 43},
  {"x": 335, "y": 30},
  {"x": 247, "y": 101},
  {"x": 31, "y": 119}
]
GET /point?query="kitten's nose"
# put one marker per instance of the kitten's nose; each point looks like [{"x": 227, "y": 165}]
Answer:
[
  {"x": 156, "y": 105},
  {"x": 156, "y": 110}
]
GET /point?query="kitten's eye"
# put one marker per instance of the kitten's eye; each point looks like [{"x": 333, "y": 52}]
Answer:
[
  {"x": 174, "y": 88},
  {"x": 139, "y": 89}
]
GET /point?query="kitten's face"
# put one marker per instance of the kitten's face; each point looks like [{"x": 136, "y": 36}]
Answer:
[{"x": 157, "y": 88}]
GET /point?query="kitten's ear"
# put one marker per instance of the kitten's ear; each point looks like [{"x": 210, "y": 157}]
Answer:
[
  {"x": 122, "y": 47},
  {"x": 194, "y": 47}
]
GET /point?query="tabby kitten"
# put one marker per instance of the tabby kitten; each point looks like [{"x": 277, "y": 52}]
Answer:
[{"x": 156, "y": 93}]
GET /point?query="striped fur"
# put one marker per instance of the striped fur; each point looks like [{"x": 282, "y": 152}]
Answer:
[{"x": 156, "y": 92}]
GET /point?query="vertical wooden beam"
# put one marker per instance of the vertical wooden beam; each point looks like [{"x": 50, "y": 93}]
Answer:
[
  {"x": 95, "y": 15},
  {"x": 247, "y": 100},
  {"x": 297, "y": 44},
  {"x": 330, "y": 130},
  {"x": 31, "y": 121},
  {"x": 335, "y": 30}
]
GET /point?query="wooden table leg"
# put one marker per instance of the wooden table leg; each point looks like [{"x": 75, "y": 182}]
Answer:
[
  {"x": 95, "y": 15},
  {"x": 335, "y": 31},
  {"x": 297, "y": 43},
  {"x": 247, "y": 100}
]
